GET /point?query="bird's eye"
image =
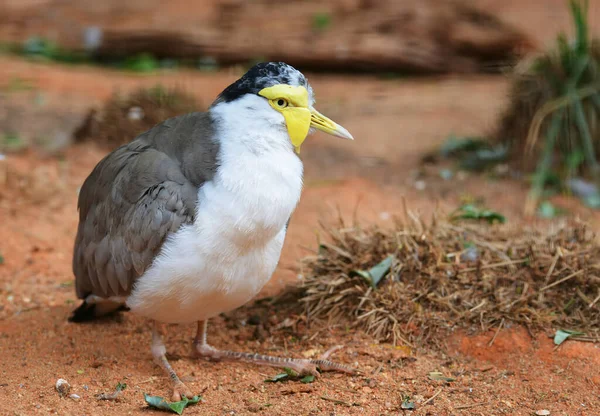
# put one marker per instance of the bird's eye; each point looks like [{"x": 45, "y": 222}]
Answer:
[{"x": 281, "y": 103}]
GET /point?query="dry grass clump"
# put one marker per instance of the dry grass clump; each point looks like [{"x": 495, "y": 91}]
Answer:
[
  {"x": 447, "y": 276},
  {"x": 123, "y": 118},
  {"x": 552, "y": 124}
]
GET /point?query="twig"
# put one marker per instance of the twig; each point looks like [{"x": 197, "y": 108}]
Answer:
[
  {"x": 377, "y": 370},
  {"x": 497, "y": 332},
  {"x": 432, "y": 397},
  {"x": 468, "y": 406},
  {"x": 564, "y": 279},
  {"x": 491, "y": 266},
  {"x": 591, "y": 305},
  {"x": 336, "y": 401}
]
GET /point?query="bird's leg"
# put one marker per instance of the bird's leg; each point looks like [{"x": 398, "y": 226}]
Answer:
[
  {"x": 301, "y": 366},
  {"x": 159, "y": 352}
]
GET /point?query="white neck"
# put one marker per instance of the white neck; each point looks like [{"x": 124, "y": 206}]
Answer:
[
  {"x": 252, "y": 123},
  {"x": 259, "y": 180}
]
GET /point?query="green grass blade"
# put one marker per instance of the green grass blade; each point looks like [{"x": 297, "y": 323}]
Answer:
[
  {"x": 586, "y": 138},
  {"x": 546, "y": 160},
  {"x": 579, "y": 10}
]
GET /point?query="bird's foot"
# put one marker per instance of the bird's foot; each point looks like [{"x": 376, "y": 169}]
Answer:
[
  {"x": 180, "y": 390},
  {"x": 301, "y": 366}
]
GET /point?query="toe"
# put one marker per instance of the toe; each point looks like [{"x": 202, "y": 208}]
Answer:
[
  {"x": 180, "y": 390},
  {"x": 176, "y": 397}
]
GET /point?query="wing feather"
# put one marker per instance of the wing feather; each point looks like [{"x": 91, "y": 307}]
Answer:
[{"x": 133, "y": 200}]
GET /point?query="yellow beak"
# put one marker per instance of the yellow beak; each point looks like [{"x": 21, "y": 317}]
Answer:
[{"x": 320, "y": 122}]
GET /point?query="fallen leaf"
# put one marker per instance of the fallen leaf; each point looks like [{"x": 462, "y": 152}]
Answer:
[
  {"x": 374, "y": 275},
  {"x": 290, "y": 375},
  {"x": 115, "y": 394},
  {"x": 278, "y": 377},
  {"x": 548, "y": 210},
  {"x": 436, "y": 375},
  {"x": 563, "y": 334},
  {"x": 308, "y": 379},
  {"x": 406, "y": 405},
  {"x": 160, "y": 403}
]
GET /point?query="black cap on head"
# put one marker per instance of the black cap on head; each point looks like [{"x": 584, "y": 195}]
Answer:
[{"x": 263, "y": 75}]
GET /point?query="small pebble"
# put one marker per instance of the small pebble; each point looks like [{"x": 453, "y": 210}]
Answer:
[
  {"x": 62, "y": 387},
  {"x": 543, "y": 412},
  {"x": 420, "y": 185},
  {"x": 75, "y": 397},
  {"x": 135, "y": 113}
]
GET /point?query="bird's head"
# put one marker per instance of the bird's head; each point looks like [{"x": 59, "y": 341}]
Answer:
[{"x": 283, "y": 94}]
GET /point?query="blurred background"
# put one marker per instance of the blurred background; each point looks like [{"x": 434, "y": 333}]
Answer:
[
  {"x": 486, "y": 109},
  {"x": 440, "y": 95}
]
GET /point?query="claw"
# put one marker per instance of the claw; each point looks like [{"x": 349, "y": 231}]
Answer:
[{"x": 179, "y": 390}]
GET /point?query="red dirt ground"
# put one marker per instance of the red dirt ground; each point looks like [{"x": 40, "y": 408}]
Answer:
[{"x": 395, "y": 123}]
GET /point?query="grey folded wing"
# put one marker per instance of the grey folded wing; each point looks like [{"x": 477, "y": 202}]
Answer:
[{"x": 132, "y": 201}]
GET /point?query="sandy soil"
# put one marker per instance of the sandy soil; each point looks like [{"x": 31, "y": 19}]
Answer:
[{"x": 395, "y": 123}]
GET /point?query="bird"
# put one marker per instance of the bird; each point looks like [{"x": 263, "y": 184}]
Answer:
[{"x": 188, "y": 219}]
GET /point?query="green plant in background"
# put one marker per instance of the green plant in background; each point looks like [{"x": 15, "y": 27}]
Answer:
[
  {"x": 41, "y": 48},
  {"x": 11, "y": 142},
  {"x": 567, "y": 80},
  {"x": 143, "y": 62},
  {"x": 321, "y": 21}
]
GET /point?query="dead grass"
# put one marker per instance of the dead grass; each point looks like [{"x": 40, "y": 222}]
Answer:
[
  {"x": 124, "y": 117},
  {"x": 447, "y": 276}
]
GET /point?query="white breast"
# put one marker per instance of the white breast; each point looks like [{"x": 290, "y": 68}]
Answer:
[{"x": 232, "y": 249}]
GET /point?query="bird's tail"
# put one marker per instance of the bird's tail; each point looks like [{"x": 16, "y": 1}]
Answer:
[{"x": 94, "y": 307}]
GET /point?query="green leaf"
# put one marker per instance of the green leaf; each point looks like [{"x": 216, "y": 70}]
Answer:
[
  {"x": 290, "y": 372},
  {"x": 454, "y": 145},
  {"x": 121, "y": 386},
  {"x": 1, "y": 259},
  {"x": 548, "y": 210},
  {"x": 176, "y": 407},
  {"x": 563, "y": 334},
  {"x": 321, "y": 21},
  {"x": 374, "y": 275},
  {"x": 436, "y": 375},
  {"x": 278, "y": 377},
  {"x": 12, "y": 142},
  {"x": 472, "y": 212},
  {"x": 406, "y": 405},
  {"x": 308, "y": 379},
  {"x": 143, "y": 62}
]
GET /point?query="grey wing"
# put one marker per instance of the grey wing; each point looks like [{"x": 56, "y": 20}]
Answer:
[{"x": 128, "y": 206}]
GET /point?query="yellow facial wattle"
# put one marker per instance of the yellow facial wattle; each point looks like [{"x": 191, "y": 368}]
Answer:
[{"x": 292, "y": 103}]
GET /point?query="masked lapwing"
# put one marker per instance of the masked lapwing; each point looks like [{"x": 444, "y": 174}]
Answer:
[{"x": 188, "y": 220}]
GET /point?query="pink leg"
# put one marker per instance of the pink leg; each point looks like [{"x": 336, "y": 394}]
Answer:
[
  {"x": 159, "y": 353},
  {"x": 301, "y": 366}
]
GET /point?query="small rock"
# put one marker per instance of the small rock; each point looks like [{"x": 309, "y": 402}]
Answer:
[
  {"x": 135, "y": 113},
  {"x": 75, "y": 396},
  {"x": 543, "y": 412},
  {"x": 62, "y": 387},
  {"x": 420, "y": 185},
  {"x": 446, "y": 174},
  {"x": 470, "y": 255},
  {"x": 92, "y": 37}
]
